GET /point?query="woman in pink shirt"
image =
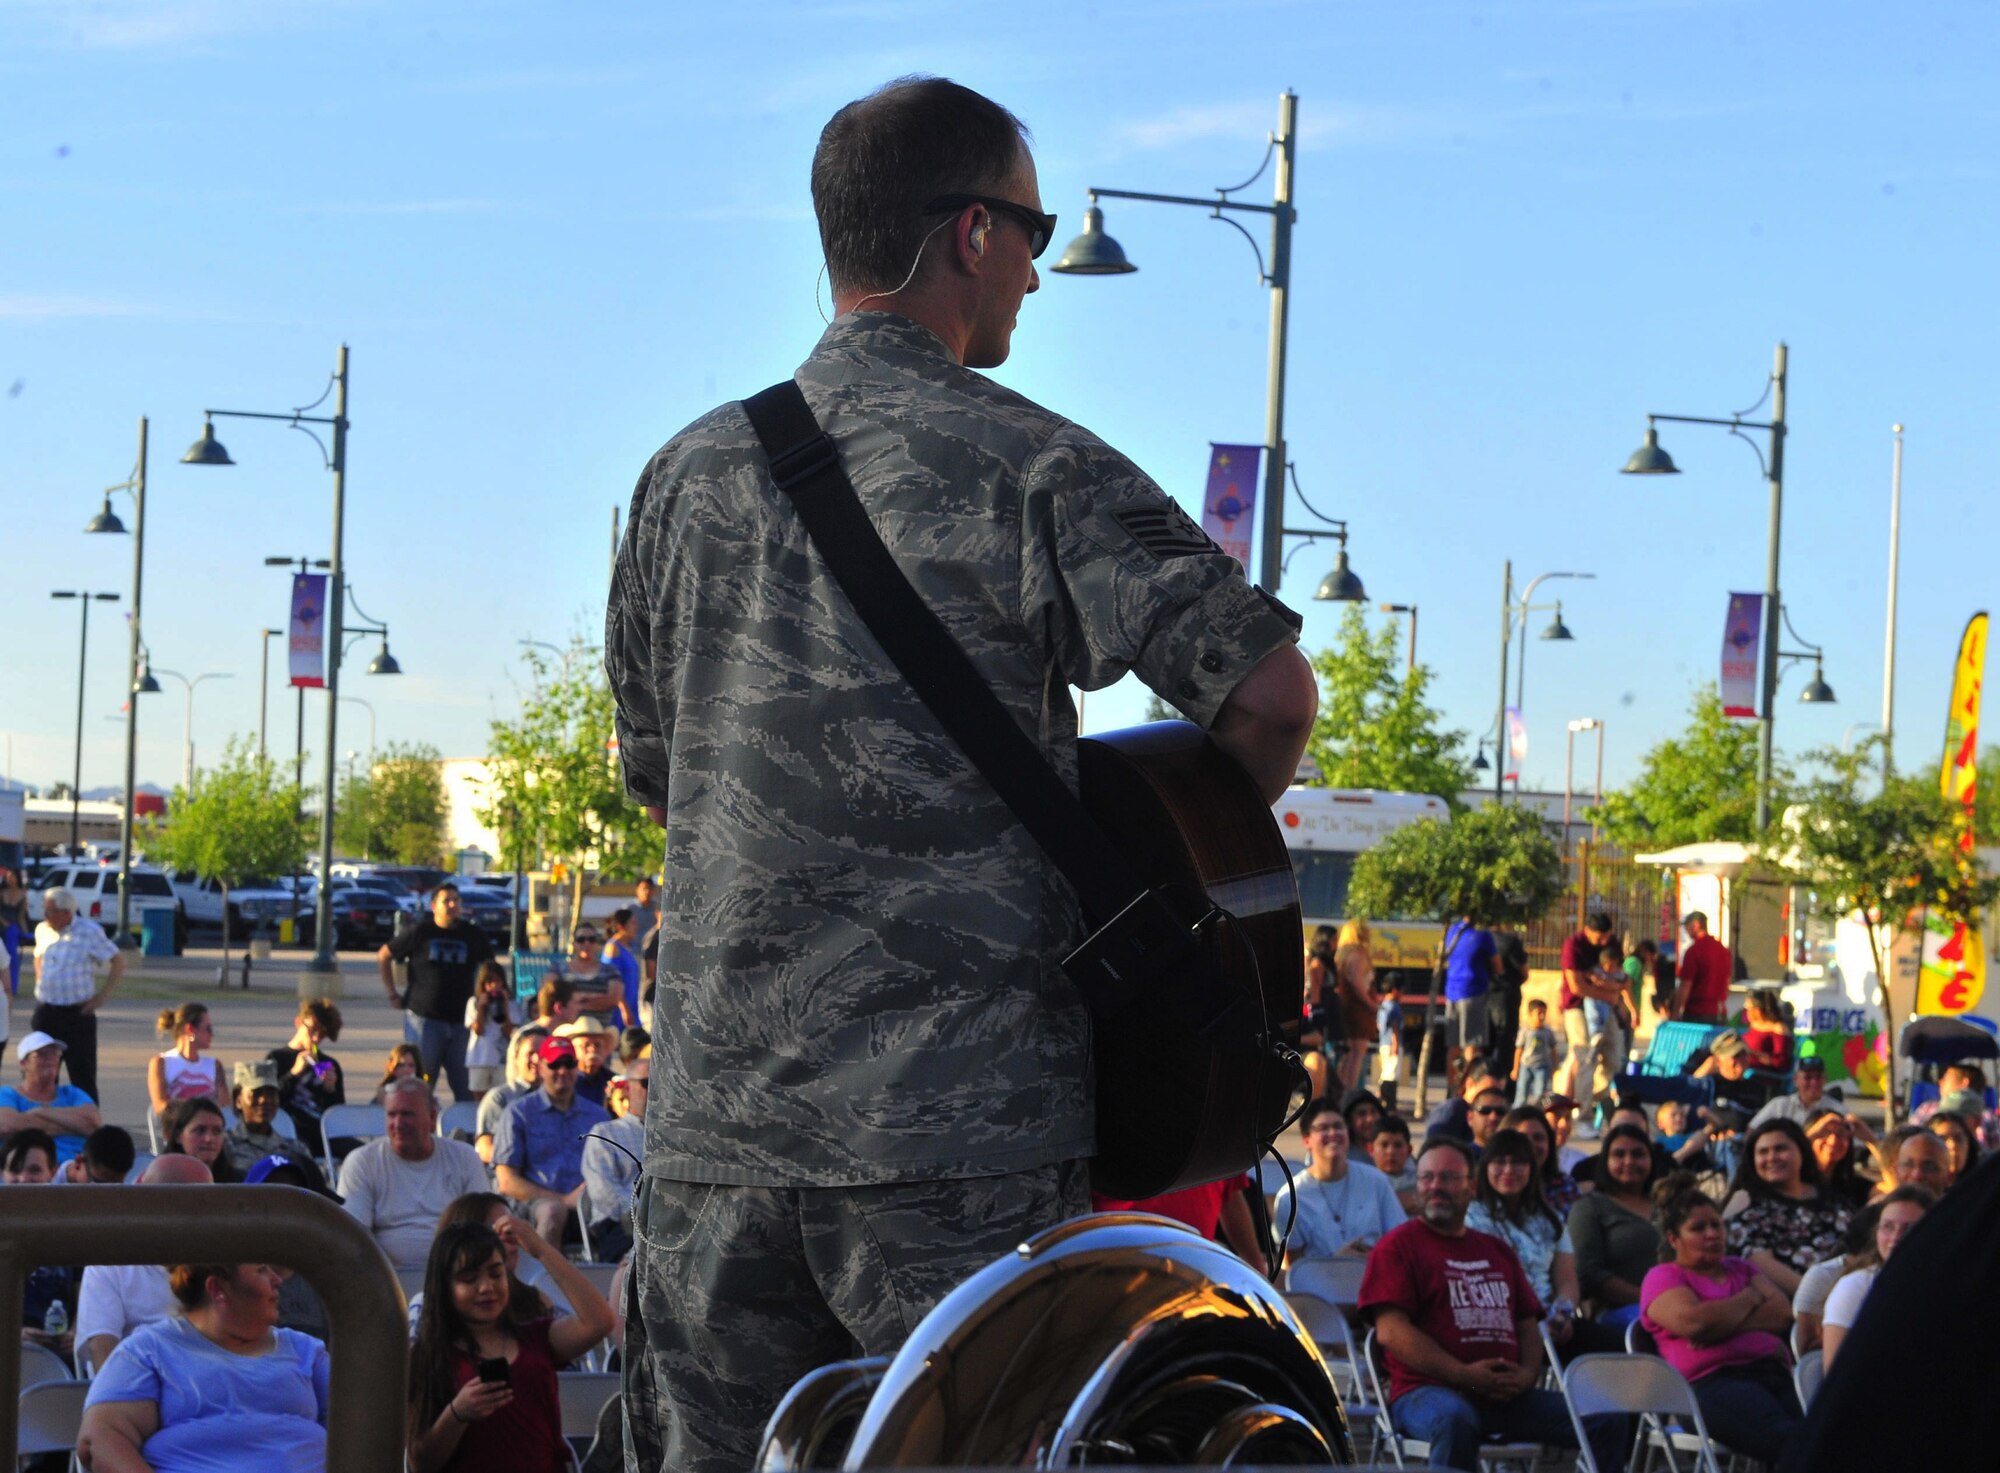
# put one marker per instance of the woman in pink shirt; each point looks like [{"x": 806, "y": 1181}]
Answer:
[{"x": 1720, "y": 1323}]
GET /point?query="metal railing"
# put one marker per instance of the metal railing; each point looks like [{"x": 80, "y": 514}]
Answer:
[{"x": 286, "y": 1226}]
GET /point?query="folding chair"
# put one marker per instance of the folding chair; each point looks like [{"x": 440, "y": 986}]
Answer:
[
  {"x": 459, "y": 1115},
  {"x": 363, "y": 1122},
  {"x": 583, "y": 1395},
  {"x": 1335, "y": 1338},
  {"x": 600, "y": 1276},
  {"x": 1405, "y": 1450},
  {"x": 281, "y": 1122},
  {"x": 1635, "y": 1385},
  {"x": 40, "y": 1364},
  {"x": 140, "y": 1161},
  {"x": 1337, "y": 1280},
  {"x": 1806, "y": 1376},
  {"x": 51, "y": 1415}
]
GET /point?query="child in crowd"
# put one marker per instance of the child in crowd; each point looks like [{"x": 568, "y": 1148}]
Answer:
[
  {"x": 1389, "y": 1025},
  {"x": 1389, "y": 1149},
  {"x": 489, "y": 1015},
  {"x": 405, "y": 1061},
  {"x": 1534, "y": 1056}
]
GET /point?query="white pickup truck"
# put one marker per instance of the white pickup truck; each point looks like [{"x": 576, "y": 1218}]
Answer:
[{"x": 258, "y": 901}]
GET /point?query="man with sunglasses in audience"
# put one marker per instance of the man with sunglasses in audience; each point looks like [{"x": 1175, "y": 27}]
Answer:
[{"x": 863, "y": 1029}]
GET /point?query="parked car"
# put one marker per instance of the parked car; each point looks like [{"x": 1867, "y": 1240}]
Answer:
[
  {"x": 418, "y": 879},
  {"x": 96, "y": 891},
  {"x": 363, "y": 916},
  {"x": 489, "y": 910},
  {"x": 250, "y": 905}
]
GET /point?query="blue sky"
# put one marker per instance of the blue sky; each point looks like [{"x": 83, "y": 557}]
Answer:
[{"x": 552, "y": 236}]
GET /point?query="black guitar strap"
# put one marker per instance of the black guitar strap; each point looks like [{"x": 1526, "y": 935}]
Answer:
[{"x": 1134, "y": 930}]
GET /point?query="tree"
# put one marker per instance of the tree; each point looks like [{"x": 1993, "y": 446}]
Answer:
[
  {"x": 1375, "y": 729},
  {"x": 1496, "y": 864},
  {"x": 1895, "y": 850},
  {"x": 1698, "y": 786},
  {"x": 397, "y": 811},
  {"x": 243, "y": 821},
  {"x": 557, "y": 792},
  {"x": 1987, "y": 797}
]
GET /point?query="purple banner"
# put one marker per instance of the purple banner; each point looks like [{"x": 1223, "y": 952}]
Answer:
[
  {"x": 1517, "y": 745},
  {"x": 1739, "y": 654},
  {"x": 1229, "y": 505},
  {"x": 308, "y": 629}
]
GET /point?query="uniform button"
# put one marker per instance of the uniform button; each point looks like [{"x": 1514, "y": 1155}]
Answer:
[
  {"x": 1189, "y": 689},
  {"x": 1212, "y": 662}
]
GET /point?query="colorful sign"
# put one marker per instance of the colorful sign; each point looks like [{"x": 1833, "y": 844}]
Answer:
[
  {"x": 1229, "y": 505},
  {"x": 1517, "y": 745},
  {"x": 308, "y": 630},
  {"x": 1740, "y": 633},
  {"x": 1952, "y": 979}
]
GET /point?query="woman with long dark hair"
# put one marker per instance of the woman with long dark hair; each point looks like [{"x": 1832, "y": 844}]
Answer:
[
  {"x": 1509, "y": 1203},
  {"x": 1557, "y": 1187},
  {"x": 1612, "y": 1228},
  {"x": 1779, "y": 1215},
  {"x": 483, "y": 1364},
  {"x": 197, "y": 1128}
]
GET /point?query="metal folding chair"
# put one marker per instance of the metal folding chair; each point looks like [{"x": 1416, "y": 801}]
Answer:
[
  {"x": 40, "y": 1364},
  {"x": 1335, "y": 1338},
  {"x": 51, "y": 1415},
  {"x": 1635, "y": 1385},
  {"x": 1337, "y": 1280},
  {"x": 1405, "y": 1450},
  {"x": 1806, "y": 1376},
  {"x": 362, "y": 1122},
  {"x": 459, "y": 1115}
]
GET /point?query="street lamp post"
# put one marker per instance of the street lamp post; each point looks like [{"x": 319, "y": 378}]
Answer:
[
  {"x": 1410, "y": 665},
  {"x": 187, "y": 725},
  {"x": 1094, "y": 253},
  {"x": 82, "y": 653},
  {"x": 209, "y": 451},
  {"x": 1556, "y": 631},
  {"x": 1650, "y": 460},
  {"x": 1889, "y": 629},
  {"x": 264, "y": 683},
  {"x": 1582, "y": 723},
  {"x": 107, "y": 521}
]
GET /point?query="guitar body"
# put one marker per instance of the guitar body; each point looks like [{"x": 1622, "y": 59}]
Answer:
[{"x": 1180, "y": 1104}]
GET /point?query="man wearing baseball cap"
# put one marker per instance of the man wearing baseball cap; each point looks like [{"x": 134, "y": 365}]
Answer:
[
  {"x": 1706, "y": 970},
  {"x": 1807, "y": 1097},
  {"x": 63, "y": 1110},
  {"x": 538, "y": 1149}
]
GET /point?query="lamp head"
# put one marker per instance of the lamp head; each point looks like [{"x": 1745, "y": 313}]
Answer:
[
  {"x": 1479, "y": 762},
  {"x": 1558, "y": 630},
  {"x": 207, "y": 450},
  {"x": 1093, "y": 253},
  {"x": 1817, "y": 691},
  {"x": 384, "y": 663},
  {"x": 106, "y": 520},
  {"x": 1649, "y": 459},
  {"x": 145, "y": 685},
  {"x": 1340, "y": 586}
]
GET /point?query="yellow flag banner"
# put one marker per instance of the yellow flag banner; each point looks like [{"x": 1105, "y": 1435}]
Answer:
[{"x": 1953, "y": 976}]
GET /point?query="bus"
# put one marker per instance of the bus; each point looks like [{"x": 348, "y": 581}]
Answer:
[{"x": 1324, "y": 829}]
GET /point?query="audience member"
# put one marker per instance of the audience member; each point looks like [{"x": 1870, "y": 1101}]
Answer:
[
  {"x": 181, "y": 1073},
  {"x": 593, "y": 1042},
  {"x": 1969, "y": 1079},
  {"x": 1509, "y": 1204},
  {"x": 598, "y": 986},
  {"x": 1560, "y": 1111},
  {"x": 1580, "y": 956},
  {"x": 107, "y": 1158},
  {"x": 524, "y": 1076},
  {"x": 1592, "y": 1169},
  {"x": 1612, "y": 1228},
  {"x": 196, "y": 1128},
  {"x": 459, "y": 1418},
  {"x": 1809, "y": 1303},
  {"x": 530, "y": 1287},
  {"x": 613, "y": 1156},
  {"x": 1336, "y": 1205},
  {"x": 310, "y": 1081},
  {"x": 1471, "y": 959},
  {"x": 256, "y": 1134},
  {"x": 405, "y": 1061},
  {"x": 1456, "y": 1319},
  {"x": 42, "y": 1101},
  {"x": 1832, "y": 1135},
  {"x": 489, "y": 1022},
  {"x": 1557, "y": 1189},
  {"x": 1607, "y": 1019},
  {"x": 1503, "y": 1008},
  {"x": 1720, "y": 1323},
  {"x": 1705, "y": 972},
  {"x": 1777, "y": 1214},
  {"x": 1363, "y": 1111},
  {"x": 1356, "y": 1021},
  {"x": 538, "y": 1149},
  {"x": 632, "y": 1043},
  {"x": 1452, "y": 1120},
  {"x": 28, "y": 1159},
  {"x": 1807, "y": 1094},
  {"x": 1390, "y": 1151},
  {"x": 621, "y": 950},
  {"x": 1901, "y": 1210},
  {"x": 443, "y": 953},
  {"x": 397, "y": 1186},
  {"x": 218, "y": 1385},
  {"x": 1534, "y": 1055},
  {"x": 1218, "y": 1210},
  {"x": 1958, "y": 1134},
  {"x": 1484, "y": 1113},
  {"x": 68, "y": 950},
  {"x": 1767, "y": 1032},
  {"x": 115, "y": 1299},
  {"x": 1684, "y": 1140},
  {"x": 556, "y": 1004},
  {"x": 299, "y": 1305},
  {"x": 1920, "y": 1160},
  {"x": 1726, "y": 1060},
  {"x": 1319, "y": 1038}
]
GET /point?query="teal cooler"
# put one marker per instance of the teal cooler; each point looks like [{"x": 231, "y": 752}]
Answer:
[{"x": 156, "y": 930}]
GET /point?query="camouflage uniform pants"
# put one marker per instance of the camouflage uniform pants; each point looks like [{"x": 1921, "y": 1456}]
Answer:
[{"x": 737, "y": 1292}]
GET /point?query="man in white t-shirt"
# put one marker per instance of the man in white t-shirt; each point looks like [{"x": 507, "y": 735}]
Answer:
[
  {"x": 117, "y": 1298},
  {"x": 397, "y": 1187},
  {"x": 1344, "y": 1206}
]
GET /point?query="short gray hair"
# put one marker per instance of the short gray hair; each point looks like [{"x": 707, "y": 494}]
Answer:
[
  {"x": 405, "y": 1086},
  {"x": 59, "y": 899}
]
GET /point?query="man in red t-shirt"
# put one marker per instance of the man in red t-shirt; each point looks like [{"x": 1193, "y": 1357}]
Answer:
[
  {"x": 1456, "y": 1320},
  {"x": 1705, "y": 973}
]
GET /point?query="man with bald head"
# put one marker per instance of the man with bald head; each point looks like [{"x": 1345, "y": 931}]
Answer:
[{"x": 117, "y": 1298}]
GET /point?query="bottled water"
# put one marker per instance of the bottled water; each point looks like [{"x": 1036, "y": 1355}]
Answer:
[{"x": 56, "y": 1321}]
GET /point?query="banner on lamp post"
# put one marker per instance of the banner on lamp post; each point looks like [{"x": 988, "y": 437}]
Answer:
[
  {"x": 1741, "y": 635},
  {"x": 1229, "y": 504},
  {"x": 1517, "y": 745},
  {"x": 1952, "y": 976},
  {"x": 308, "y": 630}
]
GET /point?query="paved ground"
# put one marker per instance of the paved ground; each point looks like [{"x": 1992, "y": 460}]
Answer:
[{"x": 247, "y": 1022}]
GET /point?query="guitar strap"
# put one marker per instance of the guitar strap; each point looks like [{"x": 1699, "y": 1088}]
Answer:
[{"x": 1135, "y": 931}]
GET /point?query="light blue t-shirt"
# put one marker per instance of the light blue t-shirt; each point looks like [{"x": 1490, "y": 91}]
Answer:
[
  {"x": 1361, "y": 1204},
  {"x": 221, "y": 1413},
  {"x": 68, "y": 1097}
]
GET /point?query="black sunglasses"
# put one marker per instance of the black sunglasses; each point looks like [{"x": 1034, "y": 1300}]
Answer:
[{"x": 1041, "y": 228}]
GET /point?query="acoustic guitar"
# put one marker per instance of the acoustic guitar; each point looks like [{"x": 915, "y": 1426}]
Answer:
[{"x": 1196, "y": 1077}]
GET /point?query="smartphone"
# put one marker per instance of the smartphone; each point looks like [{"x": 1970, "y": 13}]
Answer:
[{"x": 494, "y": 1370}]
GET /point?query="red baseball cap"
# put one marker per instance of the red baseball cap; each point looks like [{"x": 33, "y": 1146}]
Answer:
[{"x": 556, "y": 1048}]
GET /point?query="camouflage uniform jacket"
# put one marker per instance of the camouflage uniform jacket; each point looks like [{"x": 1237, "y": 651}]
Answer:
[{"x": 859, "y": 976}]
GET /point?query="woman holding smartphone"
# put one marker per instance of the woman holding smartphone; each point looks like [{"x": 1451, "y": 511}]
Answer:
[{"x": 483, "y": 1365}]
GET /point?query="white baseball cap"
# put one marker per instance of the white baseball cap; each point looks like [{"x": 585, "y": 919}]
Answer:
[{"x": 37, "y": 1041}]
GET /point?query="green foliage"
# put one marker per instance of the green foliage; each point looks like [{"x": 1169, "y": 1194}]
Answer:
[
  {"x": 242, "y": 822},
  {"x": 1890, "y": 848},
  {"x": 1375, "y": 729},
  {"x": 556, "y": 790},
  {"x": 397, "y": 812},
  {"x": 1497, "y": 864},
  {"x": 1987, "y": 799},
  {"x": 1696, "y": 787},
  {"x": 1159, "y": 710}
]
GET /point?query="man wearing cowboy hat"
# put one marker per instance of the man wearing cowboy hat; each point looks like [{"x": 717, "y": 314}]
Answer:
[{"x": 593, "y": 1039}]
